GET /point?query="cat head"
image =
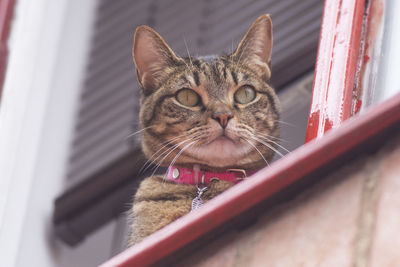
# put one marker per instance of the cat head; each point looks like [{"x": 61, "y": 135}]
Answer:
[{"x": 218, "y": 112}]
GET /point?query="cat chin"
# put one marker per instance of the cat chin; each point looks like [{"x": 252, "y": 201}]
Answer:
[{"x": 220, "y": 152}]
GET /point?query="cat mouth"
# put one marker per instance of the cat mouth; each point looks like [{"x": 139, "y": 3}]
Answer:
[
  {"x": 222, "y": 139},
  {"x": 222, "y": 150}
]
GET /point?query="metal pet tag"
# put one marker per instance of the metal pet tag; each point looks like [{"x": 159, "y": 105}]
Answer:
[{"x": 197, "y": 202}]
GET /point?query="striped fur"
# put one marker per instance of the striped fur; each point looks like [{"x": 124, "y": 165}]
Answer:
[{"x": 184, "y": 136}]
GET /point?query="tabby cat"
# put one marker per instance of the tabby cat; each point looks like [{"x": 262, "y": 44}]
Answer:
[{"x": 206, "y": 114}]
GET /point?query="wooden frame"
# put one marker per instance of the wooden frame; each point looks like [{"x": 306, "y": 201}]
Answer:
[{"x": 335, "y": 97}]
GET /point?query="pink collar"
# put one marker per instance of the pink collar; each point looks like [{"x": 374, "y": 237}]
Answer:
[{"x": 188, "y": 176}]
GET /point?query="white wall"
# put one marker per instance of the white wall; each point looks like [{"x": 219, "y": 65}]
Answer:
[
  {"x": 49, "y": 43},
  {"x": 388, "y": 81},
  {"x": 381, "y": 79}
]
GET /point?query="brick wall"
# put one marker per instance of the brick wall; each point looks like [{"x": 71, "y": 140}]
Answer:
[{"x": 351, "y": 218}]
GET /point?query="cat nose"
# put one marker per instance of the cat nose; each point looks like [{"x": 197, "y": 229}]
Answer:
[{"x": 222, "y": 117}]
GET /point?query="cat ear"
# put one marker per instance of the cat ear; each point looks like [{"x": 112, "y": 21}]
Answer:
[
  {"x": 153, "y": 58},
  {"x": 256, "y": 45}
]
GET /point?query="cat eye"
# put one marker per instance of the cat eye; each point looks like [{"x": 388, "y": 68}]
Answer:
[
  {"x": 245, "y": 94},
  {"x": 188, "y": 97}
]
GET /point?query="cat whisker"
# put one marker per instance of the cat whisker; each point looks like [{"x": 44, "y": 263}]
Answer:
[
  {"x": 240, "y": 56},
  {"x": 180, "y": 153},
  {"x": 187, "y": 49},
  {"x": 257, "y": 150},
  {"x": 184, "y": 62},
  {"x": 165, "y": 144},
  {"x": 167, "y": 152},
  {"x": 170, "y": 151},
  {"x": 275, "y": 143},
  {"x": 267, "y": 145},
  {"x": 286, "y": 123},
  {"x": 269, "y": 137},
  {"x": 186, "y": 65},
  {"x": 275, "y": 138},
  {"x": 141, "y": 130},
  {"x": 250, "y": 131}
]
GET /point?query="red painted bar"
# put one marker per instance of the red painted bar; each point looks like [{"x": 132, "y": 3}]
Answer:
[
  {"x": 336, "y": 66},
  {"x": 260, "y": 186},
  {"x": 6, "y": 11}
]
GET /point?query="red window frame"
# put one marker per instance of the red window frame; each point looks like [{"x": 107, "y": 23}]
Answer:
[{"x": 335, "y": 99}]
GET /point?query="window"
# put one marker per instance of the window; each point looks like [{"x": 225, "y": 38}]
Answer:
[
  {"x": 102, "y": 161},
  {"x": 335, "y": 99},
  {"x": 98, "y": 184}
]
